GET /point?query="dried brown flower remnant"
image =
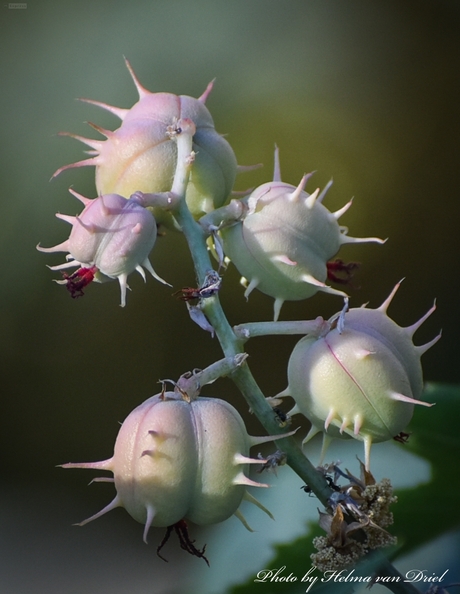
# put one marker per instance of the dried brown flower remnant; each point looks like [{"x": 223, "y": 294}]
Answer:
[
  {"x": 355, "y": 521},
  {"x": 328, "y": 558}
]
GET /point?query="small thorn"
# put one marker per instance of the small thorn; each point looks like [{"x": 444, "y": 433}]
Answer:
[
  {"x": 402, "y": 398},
  {"x": 248, "y": 497},
  {"x": 296, "y": 194},
  {"x": 367, "y": 451},
  {"x": 282, "y": 394},
  {"x": 247, "y": 168},
  {"x": 103, "y": 131},
  {"x": 104, "y": 465},
  {"x": 327, "y": 439},
  {"x": 94, "y": 144},
  {"x": 242, "y": 479},
  {"x": 308, "y": 278},
  {"x": 204, "y": 97},
  {"x": 140, "y": 270},
  {"x": 148, "y": 523},
  {"x": 295, "y": 410},
  {"x": 313, "y": 431},
  {"x": 120, "y": 112},
  {"x": 252, "y": 285},
  {"x": 347, "y": 239},
  {"x": 284, "y": 259},
  {"x": 357, "y": 424},
  {"x": 82, "y": 199},
  {"x": 60, "y": 247},
  {"x": 412, "y": 329},
  {"x": 142, "y": 91},
  {"x": 329, "y": 418},
  {"x": 344, "y": 425},
  {"x": 67, "y": 218},
  {"x": 310, "y": 201},
  {"x": 102, "y": 479},
  {"x": 423, "y": 348},
  {"x": 240, "y": 459},
  {"x": 123, "y": 281},
  {"x": 325, "y": 190},
  {"x": 383, "y": 308},
  {"x": 257, "y": 440},
  {"x": 146, "y": 264},
  {"x": 242, "y": 519},
  {"x": 86, "y": 162},
  {"x": 64, "y": 266},
  {"x": 277, "y": 305},
  {"x": 338, "y": 213},
  {"x": 276, "y": 168},
  {"x": 112, "y": 505}
]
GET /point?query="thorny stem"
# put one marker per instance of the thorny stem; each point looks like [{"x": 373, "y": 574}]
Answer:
[{"x": 232, "y": 345}]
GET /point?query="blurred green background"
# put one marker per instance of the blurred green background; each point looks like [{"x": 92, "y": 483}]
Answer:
[{"x": 364, "y": 91}]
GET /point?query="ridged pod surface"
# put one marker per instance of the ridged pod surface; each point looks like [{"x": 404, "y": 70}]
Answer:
[
  {"x": 284, "y": 242},
  {"x": 139, "y": 155},
  {"x": 176, "y": 459},
  {"x": 360, "y": 379}
]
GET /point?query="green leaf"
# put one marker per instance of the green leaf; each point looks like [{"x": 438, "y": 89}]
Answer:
[{"x": 425, "y": 512}]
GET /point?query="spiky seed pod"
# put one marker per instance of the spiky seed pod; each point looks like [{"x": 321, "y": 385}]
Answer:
[
  {"x": 139, "y": 155},
  {"x": 283, "y": 244},
  {"x": 361, "y": 379},
  {"x": 111, "y": 237},
  {"x": 177, "y": 459}
]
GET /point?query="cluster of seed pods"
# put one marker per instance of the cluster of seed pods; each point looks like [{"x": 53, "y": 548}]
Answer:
[
  {"x": 110, "y": 239},
  {"x": 180, "y": 458}
]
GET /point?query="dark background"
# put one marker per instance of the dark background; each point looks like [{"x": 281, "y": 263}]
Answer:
[{"x": 366, "y": 92}]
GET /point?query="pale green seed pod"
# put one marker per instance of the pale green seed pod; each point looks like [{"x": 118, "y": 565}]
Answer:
[
  {"x": 176, "y": 459},
  {"x": 284, "y": 242},
  {"x": 360, "y": 379}
]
